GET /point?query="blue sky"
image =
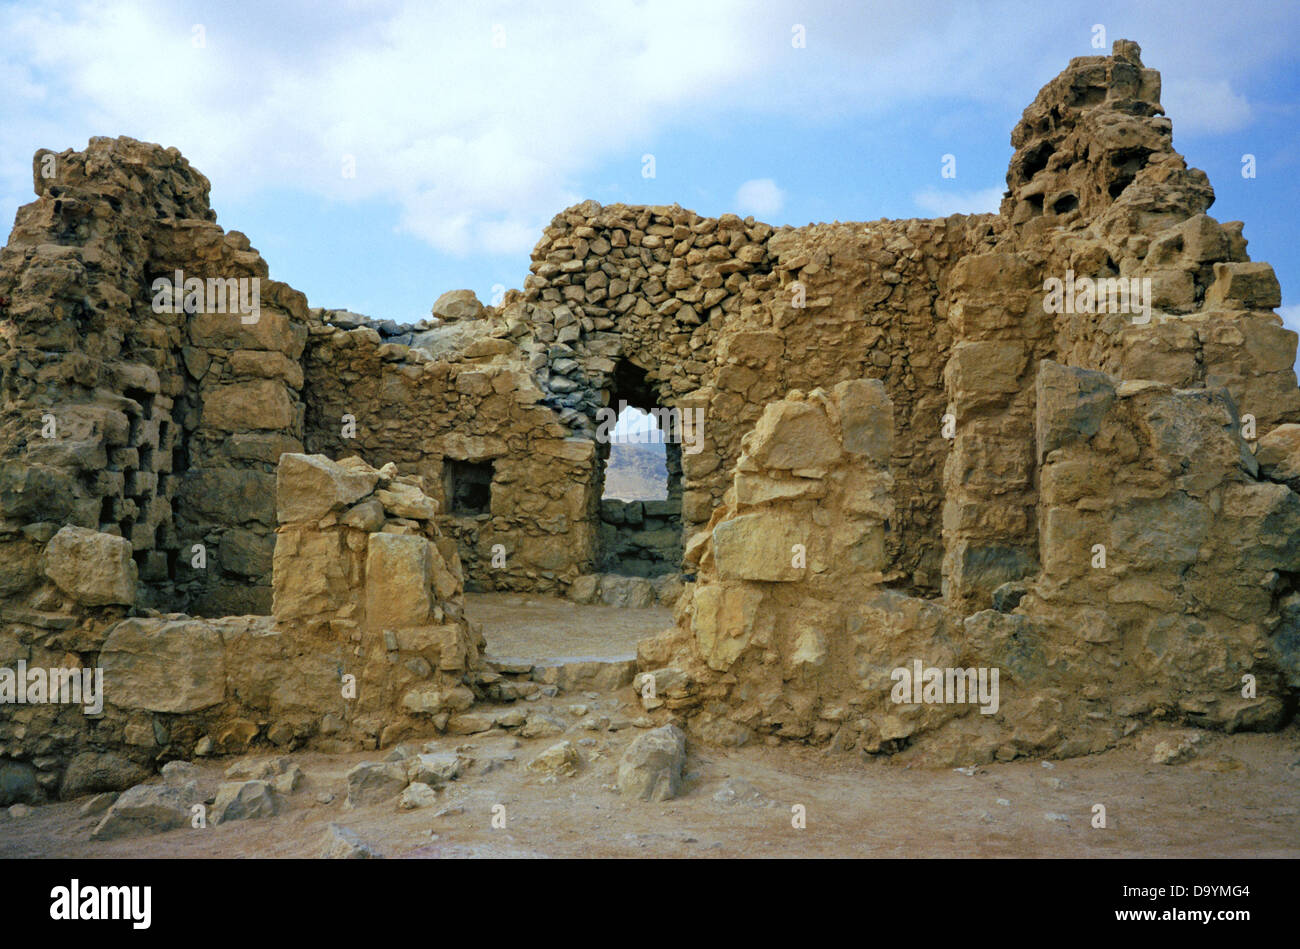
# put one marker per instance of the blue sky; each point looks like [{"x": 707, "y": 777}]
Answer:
[{"x": 470, "y": 125}]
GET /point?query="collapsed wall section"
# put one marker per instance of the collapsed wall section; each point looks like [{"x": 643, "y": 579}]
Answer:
[
  {"x": 133, "y": 405},
  {"x": 1165, "y": 591}
]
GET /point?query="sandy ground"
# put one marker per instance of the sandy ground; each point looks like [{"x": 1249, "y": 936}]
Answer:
[
  {"x": 543, "y": 628},
  {"x": 1239, "y": 796}
]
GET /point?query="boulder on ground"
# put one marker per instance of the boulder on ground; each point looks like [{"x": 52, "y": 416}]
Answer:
[
  {"x": 17, "y": 783},
  {"x": 343, "y": 843},
  {"x": 244, "y": 800},
  {"x": 651, "y": 769},
  {"x": 147, "y": 809},
  {"x": 559, "y": 760},
  {"x": 417, "y": 795},
  {"x": 373, "y": 781},
  {"x": 179, "y": 772}
]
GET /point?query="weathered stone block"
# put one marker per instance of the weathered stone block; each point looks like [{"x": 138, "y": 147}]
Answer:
[
  {"x": 307, "y": 487},
  {"x": 759, "y": 547},
  {"x": 164, "y": 665},
  {"x": 94, "y": 569},
  {"x": 399, "y": 577}
]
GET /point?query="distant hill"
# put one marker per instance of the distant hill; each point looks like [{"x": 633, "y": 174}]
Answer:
[{"x": 636, "y": 472}]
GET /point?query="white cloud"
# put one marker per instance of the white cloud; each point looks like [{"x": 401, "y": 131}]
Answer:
[
  {"x": 1290, "y": 316},
  {"x": 1205, "y": 106},
  {"x": 477, "y": 147},
  {"x": 760, "y": 197},
  {"x": 940, "y": 202}
]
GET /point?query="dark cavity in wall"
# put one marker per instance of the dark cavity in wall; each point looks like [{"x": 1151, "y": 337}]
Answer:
[{"x": 468, "y": 487}]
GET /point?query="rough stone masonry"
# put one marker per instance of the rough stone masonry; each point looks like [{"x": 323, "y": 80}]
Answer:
[{"x": 261, "y": 528}]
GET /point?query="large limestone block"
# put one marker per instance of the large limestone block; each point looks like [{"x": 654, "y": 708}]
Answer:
[
  {"x": 249, "y": 406},
  {"x": 406, "y": 500},
  {"x": 1195, "y": 431},
  {"x": 273, "y": 330},
  {"x": 309, "y": 573},
  {"x": 1071, "y": 404},
  {"x": 94, "y": 569},
  {"x": 343, "y": 843},
  {"x": 984, "y": 373},
  {"x": 19, "y": 565},
  {"x": 83, "y": 433},
  {"x": 93, "y": 771},
  {"x": 30, "y": 492},
  {"x": 164, "y": 665},
  {"x": 972, "y": 568},
  {"x": 1246, "y": 285},
  {"x": 793, "y": 435},
  {"x": 266, "y": 365},
  {"x": 981, "y": 273},
  {"x": 866, "y": 419},
  {"x": 1247, "y": 344},
  {"x": 456, "y": 305},
  {"x": 147, "y": 809},
  {"x": 725, "y": 618},
  {"x": 1163, "y": 351},
  {"x": 229, "y": 495},
  {"x": 1279, "y": 455},
  {"x": 759, "y": 546},
  {"x": 764, "y": 487},
  {"x": 246, "y": 553},
  {"x": 399, "y": 575},
  {"x": 244, "y": 800},
  {"x": 1160, "y": 534},
  {"x": 1261, "y": 524},
  {"x": 307, "y": 487},
  {"x": 373, "y": 781}
]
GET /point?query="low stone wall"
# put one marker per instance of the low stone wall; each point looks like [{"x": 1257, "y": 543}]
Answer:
[
  {"x": 369, "y": 642},
  {"x": 640, "y": 538}
]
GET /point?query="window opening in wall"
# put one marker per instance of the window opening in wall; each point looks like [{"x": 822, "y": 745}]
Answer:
[
  {"x": 468, "y": 487},
  {"x": 637, "y": 468}
]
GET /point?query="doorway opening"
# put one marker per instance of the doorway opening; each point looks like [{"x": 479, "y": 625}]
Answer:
[{"x": 641, "y": 500}]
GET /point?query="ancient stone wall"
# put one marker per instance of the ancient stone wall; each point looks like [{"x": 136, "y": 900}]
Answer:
[
  {"x": 424, "y": 410},
  {"x": 368, "y": 643},
  {"x": 640, "y": 538},
  {"x": 1164, "y": 590},
  {"x": 723, "y": 314},
  {"x": 130, "y": 411},
  {"x": 885, "y": 430}
]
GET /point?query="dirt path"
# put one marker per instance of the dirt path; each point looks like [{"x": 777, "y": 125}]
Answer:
[{"x": 1239, "y": 797}]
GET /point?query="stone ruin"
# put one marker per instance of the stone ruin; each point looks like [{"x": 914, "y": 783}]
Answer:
[{"x": 903, "y": 457}]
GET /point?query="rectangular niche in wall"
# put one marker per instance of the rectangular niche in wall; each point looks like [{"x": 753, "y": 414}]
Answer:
[{"x": 467, "y": 486}]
